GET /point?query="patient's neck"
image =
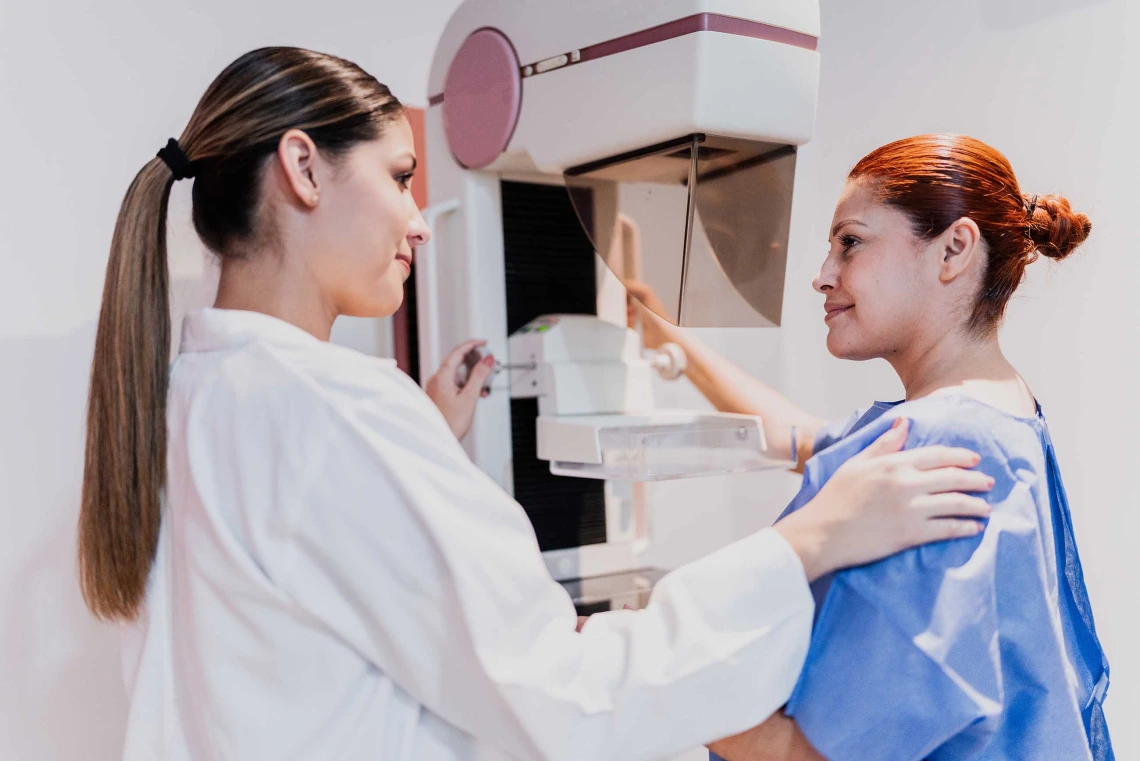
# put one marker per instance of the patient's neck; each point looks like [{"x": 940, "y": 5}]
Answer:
[{"x": 959, "y": 363}]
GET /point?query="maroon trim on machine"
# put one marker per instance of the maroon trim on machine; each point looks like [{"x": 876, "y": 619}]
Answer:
[{"x": 701, "y": 22}]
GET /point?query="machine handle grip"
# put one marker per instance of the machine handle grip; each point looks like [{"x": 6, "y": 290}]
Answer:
[{"x": 427, "y": 290}]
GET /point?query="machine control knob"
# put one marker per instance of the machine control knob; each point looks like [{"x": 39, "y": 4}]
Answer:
[{"x": 670, "y": 361}]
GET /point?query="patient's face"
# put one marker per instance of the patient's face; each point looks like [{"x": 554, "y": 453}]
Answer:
[{"x": 875, "y": 279}]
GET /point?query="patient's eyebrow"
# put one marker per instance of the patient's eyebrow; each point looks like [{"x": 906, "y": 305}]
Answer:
[{"x": 839, "y": 225}]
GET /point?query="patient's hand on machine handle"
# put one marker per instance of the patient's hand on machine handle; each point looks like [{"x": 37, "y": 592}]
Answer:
[
  {"x": 643, "y": 306},
  {"x": 790, "y": 430},
  {"x": 456, "y": 402}
]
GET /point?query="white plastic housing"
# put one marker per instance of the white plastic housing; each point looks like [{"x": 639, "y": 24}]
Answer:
[
  {"x": 580, "y": 365},
  {"x": 659, "y": 446},
  {"x": 707, "y": 82}
]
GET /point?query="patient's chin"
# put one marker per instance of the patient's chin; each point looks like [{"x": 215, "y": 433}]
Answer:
[{"x": 843, "y": 347}]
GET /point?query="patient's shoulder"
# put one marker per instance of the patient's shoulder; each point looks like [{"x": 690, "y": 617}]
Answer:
[
  {"x": 951, "y": 420},
  {"x": 933, "y": 420},
  {"x": 962, "y": 421}
]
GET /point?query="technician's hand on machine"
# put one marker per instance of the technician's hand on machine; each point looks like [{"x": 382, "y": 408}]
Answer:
[{"x": 455, "y": 398}]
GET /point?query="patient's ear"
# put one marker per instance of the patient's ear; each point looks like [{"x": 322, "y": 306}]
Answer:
[{"x": 958, "y": 247}]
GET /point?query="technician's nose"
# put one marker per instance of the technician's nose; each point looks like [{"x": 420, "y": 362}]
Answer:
[{"x": 418, "y": 232}]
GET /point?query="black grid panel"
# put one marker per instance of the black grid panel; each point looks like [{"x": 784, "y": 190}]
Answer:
[
  {"x": 549, "y": 263},
  {"x": 413, "y": 326}
]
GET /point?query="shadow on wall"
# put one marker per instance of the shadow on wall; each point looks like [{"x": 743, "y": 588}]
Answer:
[
  {"x": 62, "y": 685},
  {"x": 1010, "y": 14}
]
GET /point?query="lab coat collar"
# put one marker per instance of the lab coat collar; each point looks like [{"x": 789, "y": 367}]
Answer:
[{"x": 213, "y": 329}]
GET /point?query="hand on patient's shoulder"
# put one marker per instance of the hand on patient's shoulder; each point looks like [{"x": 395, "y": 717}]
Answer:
[{"x": 877, "y": 501}]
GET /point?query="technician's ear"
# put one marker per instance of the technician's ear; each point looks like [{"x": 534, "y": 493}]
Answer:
[
  {"x": 298, "y": 159},
  {"x": 958, "y": 246}
]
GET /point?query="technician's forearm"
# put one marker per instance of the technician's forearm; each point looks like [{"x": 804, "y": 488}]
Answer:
[{"x": 777, "y": 739}]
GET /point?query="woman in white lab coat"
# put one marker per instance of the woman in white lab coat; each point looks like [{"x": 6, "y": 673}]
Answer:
[{"x": 306, "y": 563}]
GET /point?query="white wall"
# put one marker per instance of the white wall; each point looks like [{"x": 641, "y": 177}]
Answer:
[
  {"x": 1055, "y": 85},
  {"x": 89, "y": 91}
]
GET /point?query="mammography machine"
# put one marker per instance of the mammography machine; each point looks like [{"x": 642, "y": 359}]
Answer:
[{"x": 575, "y": 145}]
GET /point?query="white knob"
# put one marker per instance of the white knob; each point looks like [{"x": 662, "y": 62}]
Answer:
[{"x": 670, "y": 361}]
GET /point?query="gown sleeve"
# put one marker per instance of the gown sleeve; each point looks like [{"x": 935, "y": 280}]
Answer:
[
  {"x": 833, "y": 431},
  {"x": 404, "y": 549},
  {"x": 905, "y": 662},
  {"x": 955, "y": 650}
]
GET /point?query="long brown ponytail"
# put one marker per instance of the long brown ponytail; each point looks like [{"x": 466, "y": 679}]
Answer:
[{"x": 229, "y": 140}]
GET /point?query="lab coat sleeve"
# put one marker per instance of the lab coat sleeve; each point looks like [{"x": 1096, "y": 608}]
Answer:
[{"x": 407, "y": 551}]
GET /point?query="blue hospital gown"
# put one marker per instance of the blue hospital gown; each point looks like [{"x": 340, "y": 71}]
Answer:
[{"x": 977, "y": 649}]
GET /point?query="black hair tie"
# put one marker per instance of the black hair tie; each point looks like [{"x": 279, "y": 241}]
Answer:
[{"x": 174, "y": 158}]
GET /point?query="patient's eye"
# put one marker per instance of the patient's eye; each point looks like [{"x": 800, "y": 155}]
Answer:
[{"x": 847, "y": 242}]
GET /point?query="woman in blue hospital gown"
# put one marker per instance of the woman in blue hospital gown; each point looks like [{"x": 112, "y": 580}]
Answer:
[{"x": 980, "y": 648}]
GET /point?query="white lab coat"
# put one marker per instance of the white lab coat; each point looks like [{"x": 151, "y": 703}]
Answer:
[{"x": 336, "y": 580}]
